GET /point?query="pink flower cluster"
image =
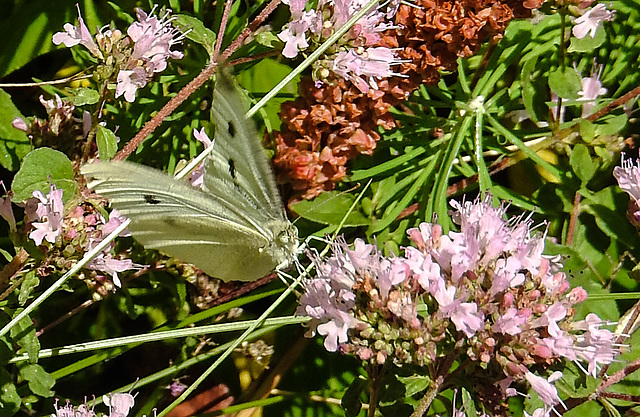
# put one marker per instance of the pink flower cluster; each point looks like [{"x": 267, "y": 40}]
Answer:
[
  {"x": 487, "y": 286},
  {"x": 589, "y": 22},
  {"x": 119, "y": 406},
  {"x": 135, "y": 58},
  {"x": 49, "y": 212},
  {"x": 356, "y": 57},
  {"x": 75, "y": 232},
  {"x": 628, "y": 176}
]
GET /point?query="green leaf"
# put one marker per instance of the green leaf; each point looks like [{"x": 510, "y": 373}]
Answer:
[
  {"x": 608, "y": 207},
  {"x": 107, "y": 143},
  {"x": 575, "y": 383},
  {"x": 31, "y": 281},
  {"x": 197, "y": 31},
  {"x": 587, "y": 130},
  {"x": 26, "y": 29},
  {"x": 565, "y": 82},
  {"x": 261, "y": 78},
  {"x": 612, "y": 410},
  {"x": 39, "y": 167},
  {"x": 612, "y": 125},
  {"x": 14, "y": 143},
  {"x": 24, "y": 334},
  {"x": 351, "y": 399},
  {"x": 532, "y": 95},
  {"x": 581, "y": 163},
  {"x": 588, "y": 44},
  {"x": 84, "y": 95},
  {"x": 6, "y": 347},
  {"x": 9, "y": 399},
  {"x": 587, "y": 409},
  {"x": 40, "y": 382},
  {"x": 330, "y": 208},
  {"x": 468, "y": 404},
  {"x": 415, "y": 384},
  {"x": 267, "y": 38}
]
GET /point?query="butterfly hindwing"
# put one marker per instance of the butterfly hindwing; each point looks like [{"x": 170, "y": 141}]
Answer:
[{"x": 171, "y": 216}]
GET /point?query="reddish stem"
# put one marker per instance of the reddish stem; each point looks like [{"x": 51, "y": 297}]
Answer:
[{"x": 194, "y": 84}]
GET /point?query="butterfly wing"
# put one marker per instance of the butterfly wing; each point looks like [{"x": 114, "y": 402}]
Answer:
[
  {"x": 238, "y": 157},
  {"x": 234, "y": 229},
  {"x": 185, "y": 222}
]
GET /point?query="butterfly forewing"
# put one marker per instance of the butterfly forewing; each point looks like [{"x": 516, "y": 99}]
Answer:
[{"x": 243, "y": 162}]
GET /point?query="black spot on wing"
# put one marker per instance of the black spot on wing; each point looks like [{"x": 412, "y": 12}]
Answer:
[
  {"x": 151, "y": 199},
  {"x": 232, "y": 168},
  {"x": 231, "y": 129}
]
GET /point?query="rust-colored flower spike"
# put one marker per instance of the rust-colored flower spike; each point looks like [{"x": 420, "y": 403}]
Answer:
[
  {"x": 333, "y": 122},
  {"x": 324, "y": 128}
]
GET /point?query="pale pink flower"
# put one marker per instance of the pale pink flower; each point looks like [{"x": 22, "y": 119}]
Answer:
[
  {"x": 294, "y": 36},
  {"x": 591, "y": 90},
  {"x": 296, "y": 7},
  {"x": 595, "y": 346},
  {"x": 589, "y": 22},
  {"x": 129, "y": 81},
  {"x": 363, "y": 68},
  {"x": 391, "y": 273},
  {"x": 550, "y": 318},
  {"x": 74, "y": 35},
  {"x": 176, "y": 388},
  {"x": 507, "y": 275},
  {"x": 202, "y": 137},
  {"x": 119, "y": 403},
  {"x": 6, "y": 211},
  {"x": 329, "y": 311},
  {"x": 196, "y": 177},
  {"x": 368, "y": 26},
  {"x": 69, "y": 411},
  {"x": 546, "y": 391},
  {"x": 538, "y": 412},
  {"x": 628, "y": 176},
  {"x": 510, "y": 322},
  {"x": 115, "y": 220},
  {"x": 465, "y": 316},
  {"x": 561, "y": 345},
  {"x": 427, "y": 271},
  {"x": 153, "y": 38},
  {"x": 105, "y": 262},
  {"x": 20, "y": 124},
  {"x": 64, "y": 411},
  {"x": 50, "y": 212},
  {"x": 362, "y": 255}
]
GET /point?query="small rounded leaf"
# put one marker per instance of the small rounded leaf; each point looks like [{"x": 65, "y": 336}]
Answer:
[
  {"x": 107, "y": 143},
  {"x": 41, "y": 167},
  {"x": 581, "y": 163},
  {"x": 565, "y": 82},
  {"x": 83, "y": 96}
]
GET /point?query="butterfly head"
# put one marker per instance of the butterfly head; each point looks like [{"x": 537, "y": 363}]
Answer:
[{"x": 285, "y": 244}]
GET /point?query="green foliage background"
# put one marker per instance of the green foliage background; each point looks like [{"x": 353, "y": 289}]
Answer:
[{"x": 411, "y": 172}]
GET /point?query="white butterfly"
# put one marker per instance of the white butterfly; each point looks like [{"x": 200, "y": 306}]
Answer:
[{"x": 235, "y": 228}]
